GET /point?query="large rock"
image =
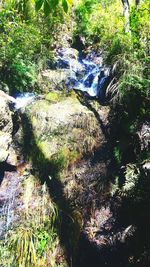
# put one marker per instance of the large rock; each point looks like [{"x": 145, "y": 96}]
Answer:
[
  {"x": 67, "y": 129},
  {"x": 6, "y": 125},
  {"x": 61, "y": 135},
  {"x": 65, "y": 142},
  {"x": 49, "y": 79},
  {"x": 5, "y": 141}
]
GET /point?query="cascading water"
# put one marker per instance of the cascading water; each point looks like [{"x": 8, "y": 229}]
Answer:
[
  {"x": 9, "y": 191},
  {"x": 23, "y": 99},
  {"x": 85, "y": 74}
]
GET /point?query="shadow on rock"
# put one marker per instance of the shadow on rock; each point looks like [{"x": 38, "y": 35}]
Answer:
[
  {"x": 6, "y": 167},
  {"x": 48, "y": 171}
]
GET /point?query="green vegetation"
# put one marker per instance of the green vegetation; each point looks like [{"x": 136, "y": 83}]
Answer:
[
  {"x": 30, "y": 34},
  {"x": 128, "y": 54},
  {"x": 27, "y": 40},
  {"x": 34, "y": 242}
]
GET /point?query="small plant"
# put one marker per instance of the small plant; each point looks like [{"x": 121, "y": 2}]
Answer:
[
  {"x": 118, "y": 154},
  {"x": 24, "y": 244}
]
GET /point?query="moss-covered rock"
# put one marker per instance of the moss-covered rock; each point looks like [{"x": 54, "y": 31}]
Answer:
[
  {"x": 60, "y": 136},
  {"x": 66, "y": 130},
  {"x": 60, "y": 140}
]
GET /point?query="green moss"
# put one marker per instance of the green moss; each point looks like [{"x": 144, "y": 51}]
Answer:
[
  {"x": 34, "y": 121},
  {"x": 54, "y": 97},
  {"x": 67, "y": 157}
]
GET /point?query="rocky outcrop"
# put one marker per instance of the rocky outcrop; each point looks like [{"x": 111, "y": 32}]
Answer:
[
  {"x": 49, "y": 79},
  {"x": 7, "y": 97},
  {"x": 6, "y": 125}
]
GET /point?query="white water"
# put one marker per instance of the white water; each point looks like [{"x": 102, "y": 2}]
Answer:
[
  {"x": 24, "y": 99},
  {"x": 86, "y": 75}
]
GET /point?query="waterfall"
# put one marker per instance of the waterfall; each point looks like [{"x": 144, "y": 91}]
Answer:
[
  {"x": 86, "y": 74},
  {"x": 23, "y": 99}
]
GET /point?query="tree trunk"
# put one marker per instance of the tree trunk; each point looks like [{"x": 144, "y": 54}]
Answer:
[{"x": 126, "y": 8}]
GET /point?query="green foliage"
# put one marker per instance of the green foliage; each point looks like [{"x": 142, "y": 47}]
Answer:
[
  {"x": 18, "y": 51},
  {"x": 117, "y": 154},
  {"x": 99, "y": 21},
  {"x": 140, "y": 23},
  {"x": 50, "y": 5},
  {"x": 26, "y": 40},
  {"x": 34, "y": 241}
]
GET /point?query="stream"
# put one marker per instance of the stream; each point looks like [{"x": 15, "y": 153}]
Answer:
[
  {"x": 103, "y": 238},
  {"x": 86, "y": 74}
]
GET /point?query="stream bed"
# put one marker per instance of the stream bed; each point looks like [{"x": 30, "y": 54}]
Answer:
[{"x": 71, "y": 133}]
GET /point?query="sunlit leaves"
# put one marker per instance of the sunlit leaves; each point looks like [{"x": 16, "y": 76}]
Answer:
[
  {"x": 38, "y": 4},
  {"x": 65, "y": 5},
  {"x": 50, "y": 5}
]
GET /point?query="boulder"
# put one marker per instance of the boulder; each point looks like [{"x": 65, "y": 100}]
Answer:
[
  {"x": 6, "y": 125},
  {"x": 49, "y": 79},
  {"x": 66, "y": 127}
]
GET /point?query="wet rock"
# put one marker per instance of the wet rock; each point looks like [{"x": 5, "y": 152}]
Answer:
[
  {"x": 12, "y": 157},
  {"x": 68, "y": 53},
  {"x": 7, "y": 97},
  {"x": 50, "y": 79},
  {"x": 146, "y": 165},
  {"x": 79, "y": 42},
  {"x": 144, "y": 136}
]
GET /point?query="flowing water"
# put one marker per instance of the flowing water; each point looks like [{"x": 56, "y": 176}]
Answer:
[
  {"x": 86, "y": 74},
  {"x": 23, "y": 99},
  {"x": 8, "y": 194}
]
